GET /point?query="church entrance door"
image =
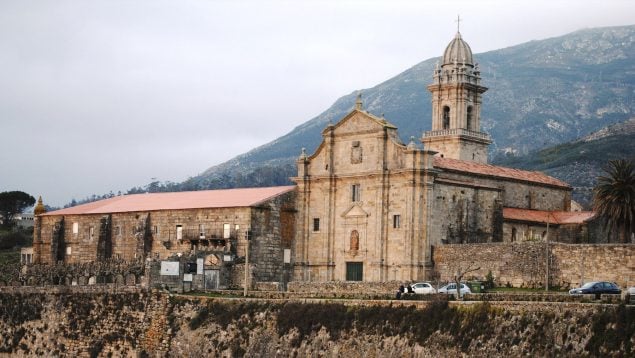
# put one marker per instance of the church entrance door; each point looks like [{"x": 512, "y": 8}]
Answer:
[
  {"x": 354, "y": 271},
  {"x": 211, "y": 279}
]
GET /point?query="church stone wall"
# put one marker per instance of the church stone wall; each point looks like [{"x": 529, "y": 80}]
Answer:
[
  {"x": 356, "y": 228},
  {"x": 519, "y": 194},
  {"x": 524, "y": 264},
  {"x": 272, "y": 225},
  {"x": 463, "y": 214},
  {"x": 457, "y": 148}
]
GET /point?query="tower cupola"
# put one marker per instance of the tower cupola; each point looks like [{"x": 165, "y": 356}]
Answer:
[{"x": 458, "y": 52}]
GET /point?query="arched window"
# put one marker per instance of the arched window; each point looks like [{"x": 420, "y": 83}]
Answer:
[
  {"x": 446, "y": 117},
  {"x": 513, "y": 234},
  {"x": 469, "y": 117}
]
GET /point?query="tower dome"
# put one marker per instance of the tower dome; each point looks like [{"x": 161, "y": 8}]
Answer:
[{"x": 458, "y": 51}]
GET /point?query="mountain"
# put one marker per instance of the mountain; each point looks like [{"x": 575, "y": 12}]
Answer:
[
  {"x": 541, "y": 93},
  {"x": 580, "y": 162}
]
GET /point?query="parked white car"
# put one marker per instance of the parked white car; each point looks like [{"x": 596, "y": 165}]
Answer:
[
  {"x": 423, "y": 288},
  {"x": 450, "y": 289}
]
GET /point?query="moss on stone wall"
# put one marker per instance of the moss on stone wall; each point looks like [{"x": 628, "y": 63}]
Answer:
[{"x": 102, "y": 323}]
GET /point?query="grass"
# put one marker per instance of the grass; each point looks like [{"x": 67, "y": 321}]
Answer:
[{"x": 524, "y": 289}]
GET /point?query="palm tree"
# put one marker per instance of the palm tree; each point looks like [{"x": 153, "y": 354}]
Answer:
[{"x": 614, "y": 197}]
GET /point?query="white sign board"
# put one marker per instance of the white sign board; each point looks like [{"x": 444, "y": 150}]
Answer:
[
  {"x": 199, "y": 266},
  {"x": 187, "y": 277},
  {"x": 169, "y": 268}
]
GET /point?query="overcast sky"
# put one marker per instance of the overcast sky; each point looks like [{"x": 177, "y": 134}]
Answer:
[{"x": 106, "y": 95}]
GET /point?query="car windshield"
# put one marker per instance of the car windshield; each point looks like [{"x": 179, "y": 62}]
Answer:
[{"x": 588, "y": 284}]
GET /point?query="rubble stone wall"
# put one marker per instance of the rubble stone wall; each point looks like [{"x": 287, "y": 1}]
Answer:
[
  {"x": 101, "y": 322},
  {"x": 524, "y": 264}
]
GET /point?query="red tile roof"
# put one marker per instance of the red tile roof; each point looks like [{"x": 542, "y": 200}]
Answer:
[
  {"x": 552, "y": 217},
  {"x": 495, "y": 171},
  {"x": 228, "y": 198}
]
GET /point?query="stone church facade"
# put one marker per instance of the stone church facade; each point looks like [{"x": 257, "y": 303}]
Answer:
[{"x": 371, "y": 208}]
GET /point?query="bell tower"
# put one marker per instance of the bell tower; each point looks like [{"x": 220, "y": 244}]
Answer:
[{"x": 456, "y": 106}]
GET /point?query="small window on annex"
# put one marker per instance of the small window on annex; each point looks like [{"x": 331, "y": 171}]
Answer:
[
  {"x": 316, "y": 224},
  {"x": 91, "y": 232},
  {"x": 75, "y": 228},
  {"x": 179, "y": 232},
  {"x": 118, "y": 230},
  {"x": 226, "y": 231}
]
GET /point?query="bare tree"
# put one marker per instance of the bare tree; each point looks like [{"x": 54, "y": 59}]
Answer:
[{"x": 458, "y": 276}]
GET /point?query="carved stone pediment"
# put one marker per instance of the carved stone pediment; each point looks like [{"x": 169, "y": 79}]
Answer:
[{"x": 355, "y": 211}]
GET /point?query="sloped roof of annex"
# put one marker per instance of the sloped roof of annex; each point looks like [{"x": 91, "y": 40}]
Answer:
[{"x": 204, "y": 199}]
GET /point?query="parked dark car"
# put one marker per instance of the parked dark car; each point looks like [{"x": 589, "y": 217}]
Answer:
[{"x": 596, "y": 287}]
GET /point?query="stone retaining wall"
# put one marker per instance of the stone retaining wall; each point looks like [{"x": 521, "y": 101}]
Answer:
[
  {"x": 524, "y": 264},
  {"x": 602, "y": 262},
  {"x": 329, "y": 288},
  {"x": 80, "y": 323}
]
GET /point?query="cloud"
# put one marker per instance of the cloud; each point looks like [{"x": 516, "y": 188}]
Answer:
[{"x": 104, "y": 95}]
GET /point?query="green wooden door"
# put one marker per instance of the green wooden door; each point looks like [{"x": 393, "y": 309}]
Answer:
[{"x": 354, "y": 271}]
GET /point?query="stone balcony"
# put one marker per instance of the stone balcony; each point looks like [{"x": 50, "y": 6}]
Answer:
[{"x": 465, "y": 133}]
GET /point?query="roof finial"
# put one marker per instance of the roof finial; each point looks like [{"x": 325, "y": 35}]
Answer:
[
  {"x": 458, "y": 23},
  {"x": 412, "y": 145},
  {"x": 39, "y": 208},
  {"x": 358, "y": 102}
]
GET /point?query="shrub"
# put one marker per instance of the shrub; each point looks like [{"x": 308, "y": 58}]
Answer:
[{"x": 489, "y": 280}]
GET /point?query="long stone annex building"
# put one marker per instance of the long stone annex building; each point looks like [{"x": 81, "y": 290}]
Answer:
[
  {"x": 366, "y": 207},
  {"x": 218, "y": 223}
]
